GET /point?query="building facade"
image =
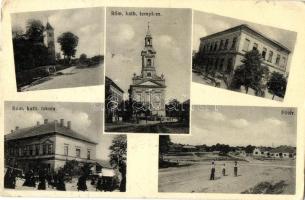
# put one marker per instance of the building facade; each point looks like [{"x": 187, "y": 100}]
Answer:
[
  {"x": 48, "y": 145},
  {"x": 113, "y": 99},
  {"x": 149, "y": 88},
  {"x": 222, "y": 52}
]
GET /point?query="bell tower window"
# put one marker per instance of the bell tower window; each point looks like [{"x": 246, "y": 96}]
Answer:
[
  {"x": 148, "y": 74},
  {"x": 149, "y": 62}
]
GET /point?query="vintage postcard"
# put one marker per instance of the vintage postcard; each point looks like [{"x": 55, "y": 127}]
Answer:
[
  {"x": 147, "y": 87},
  {"x": 241, "y": 56},
  {"x": 58, "y": 48},
  {"x": 232, "y": 149},
  {"x": 56, "y": 146}
]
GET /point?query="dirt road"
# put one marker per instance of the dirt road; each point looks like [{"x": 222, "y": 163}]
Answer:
[{"x": 195, "y": 178}]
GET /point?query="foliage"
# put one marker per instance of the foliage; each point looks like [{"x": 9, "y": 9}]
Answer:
[
  {"x": 277, "y": 84},
  {"x": 249, "y": 149},
  {"x": 250, "y": 73},
  {"x": 68, "y": 42},
  {"x": 34, "y": 30},
  {"x": 178, "y": 110},
  {"x": 118, "y": 150},
  {"x": 83, "y": 58},
  {"x": 164, "y": 143}
]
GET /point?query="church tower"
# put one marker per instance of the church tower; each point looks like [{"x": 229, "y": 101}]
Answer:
[
  {"x": 50, "y": 43},
  {"x": 149, "y": 88},
  {"x": 148, "y": 57}
]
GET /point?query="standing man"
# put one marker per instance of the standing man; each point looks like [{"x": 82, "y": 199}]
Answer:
[
  {"x": 235, "y": 169},
  {"x": 212, "y": 177},
  {"x": 224, "y": 169}
]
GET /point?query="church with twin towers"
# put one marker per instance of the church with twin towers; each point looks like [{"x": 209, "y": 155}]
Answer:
[{"x": 148, "y": 87}]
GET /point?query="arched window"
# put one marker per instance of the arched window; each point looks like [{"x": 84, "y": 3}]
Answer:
[
  {"x": 149, "y": 74},
  {"x": 148, "y": 62}
]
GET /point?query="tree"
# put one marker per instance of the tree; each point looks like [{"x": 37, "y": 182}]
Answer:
[
  {"x": 58, "y": 56},
  {"x": 277, "y": 84},
  {"x": 83, "y": 58},
  {"x": 249, "y": 149},
  {"x": 250, "y": 73},
  {"x": 68, "y": 42},
  {"x": 164, "y": 142},
  {"x": 117, "y": 156},
  {"x": 34, "y": 30}
]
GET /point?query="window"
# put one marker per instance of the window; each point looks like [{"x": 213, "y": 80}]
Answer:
[
  {"x": 50, "y": 149},
  {"x": 78, "y": 152},
  {"x": 149, "y": 74},
  {"x": 211, "y": 47},
  {"x": 20, "y": 151},
  {"x": 24, "y": 151},
  {"x": 270, "y": 56},
  {"x": 255, "y": 46},
  {"x": 246, "y": 45},
  {"x": 226, "y": 44},
  {"x": 221, "y": 63},
  {"x": 66, "y": 150},
  {"x": 277, "y": 61},
  {"x": 221, "y": 45},
  {"x": 37, "y": 148},
  {"x": 215, "y": 46},
  {"x": 44, "y": 149},
  {"x": 230, "y": 66},
  {"x": 148, "y": 62},
  {"x": 234, "y": 43},
  {"x": 88, "y": 154},
  {"x": 28, "y": 150},
  {"x": 283, "y": 62},
  {"x": 264, "y": 53}
]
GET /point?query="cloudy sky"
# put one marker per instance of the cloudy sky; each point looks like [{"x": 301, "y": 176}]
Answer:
[
  {"x": 234, "y": 125},
  {"x": 207, "y": 24},
  {"x": 86, "y": 119},
  {"x": 86, "y": 23},
  {"x": 171, "y": 34}
]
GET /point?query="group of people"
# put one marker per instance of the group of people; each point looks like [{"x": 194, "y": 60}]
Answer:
[
  {"x": 213, "y": 170},
  {"x": 56, "y": 180}
]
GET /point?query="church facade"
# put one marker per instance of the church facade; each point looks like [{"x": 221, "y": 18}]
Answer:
[{"x": 149, "y": 88}]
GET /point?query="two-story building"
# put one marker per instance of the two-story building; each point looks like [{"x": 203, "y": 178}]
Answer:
[
  {"x": 113, "y": 99},
  {"x": 223, "y": 52},
  {"x": 48, "y": 145}
]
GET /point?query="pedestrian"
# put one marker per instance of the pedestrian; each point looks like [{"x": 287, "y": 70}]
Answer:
[
  {"x": 61, "y": 180},
  {"x": 42, "y": 179},
  {"x": 224, "y": 169},
  {"x": 81, "y": 184},
  {"x": 235, "y": 168},
  {"x": 10, "y": 179},
  {"x": 212, "y": 177}
]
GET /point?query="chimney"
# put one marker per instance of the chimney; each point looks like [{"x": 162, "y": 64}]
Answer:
[
  {"x": 37, "y": 123},
  {"x": 45, "y": 121},
  {"x": 17, "y": 127},
  {"x": 69, "y": 124},
  {"x": 62, "y": 122}
]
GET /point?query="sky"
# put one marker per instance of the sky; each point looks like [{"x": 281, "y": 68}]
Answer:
[
  {"x": 86, "y": 119},
  {"x": 238, "y": 125},
  {"x": 171, "y": 34},
  {"x": 207, "y": 24},
  {"x": 86, "y": 23}
]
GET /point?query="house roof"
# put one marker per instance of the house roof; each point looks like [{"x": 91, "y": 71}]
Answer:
[
  {"x": 263, "y": 149},
  {"x": 104, "y": 163},
  {"x": 284, "y": 149},
  {"x": 249, "y": 29},
  {"x": 109, "y": 81},
  {"x": 44, "y": 129}
]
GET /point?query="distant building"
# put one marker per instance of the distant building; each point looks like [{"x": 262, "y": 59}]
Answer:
[
  {"x": 283, "y": 152},
  {"x": 49, "y": 42},
  {"x": 262, "y": 151},
  {"x": 113, "y": 99},
  {"x": 149, "y": 88},
  {"x": 223, "y": 51},
  {"x": 48, "y": 145}
]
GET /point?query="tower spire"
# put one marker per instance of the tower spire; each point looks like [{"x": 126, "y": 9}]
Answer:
[{"x": 148, "y": 31}]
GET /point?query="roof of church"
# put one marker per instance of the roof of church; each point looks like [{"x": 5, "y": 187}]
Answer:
[
  {"x": 48, "y": 26},
  {"x": 248, "y": 28},
  {"x": 44, "y": 129},
  {"x": 158, "y": 84}
]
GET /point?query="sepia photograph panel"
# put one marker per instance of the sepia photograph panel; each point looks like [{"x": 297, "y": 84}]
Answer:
[
  {"x": 148, "y": 73},
  {"x": 232, "y": 149},
  {"x": 241, "y": 56},
  {"x": 59, "y": 146},
  {"x": 58, "y": 48}
]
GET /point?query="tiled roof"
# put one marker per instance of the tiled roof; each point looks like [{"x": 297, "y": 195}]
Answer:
[
  {"x": 43, "y": 129},
  {"x": 284, "y": 149}
]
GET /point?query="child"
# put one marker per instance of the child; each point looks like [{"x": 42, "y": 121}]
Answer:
[{"x": 224, "y": 169}]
